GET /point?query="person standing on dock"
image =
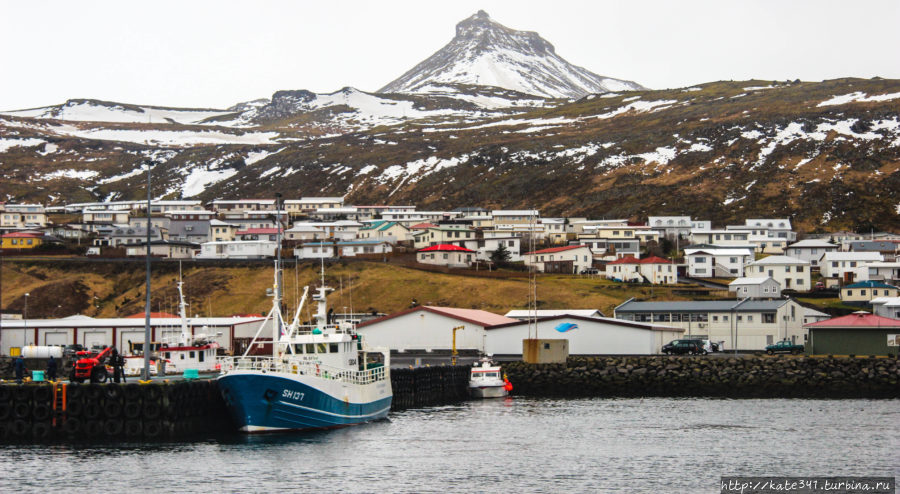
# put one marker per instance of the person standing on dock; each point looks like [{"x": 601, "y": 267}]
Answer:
[
  {"x": 117, "y": 362},
  {"x": 19, "y": 366},
  {"x": 51, "y": 369}
]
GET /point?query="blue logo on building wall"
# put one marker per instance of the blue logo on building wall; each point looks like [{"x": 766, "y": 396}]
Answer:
[{"x": 566, "y": 326}]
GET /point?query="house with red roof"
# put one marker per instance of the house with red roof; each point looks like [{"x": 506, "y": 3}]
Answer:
[
  {"x": 655, "y": 270},
  {"x": 452, "y": 256},
  {"x": 570, "y": 259},
  {"x": 860, "y": 333}
]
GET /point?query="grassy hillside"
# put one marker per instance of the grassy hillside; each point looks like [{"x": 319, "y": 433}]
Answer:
[{"x": 59, "y": 289}]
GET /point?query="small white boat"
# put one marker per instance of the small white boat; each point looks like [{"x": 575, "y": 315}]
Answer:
[{"x": 488, "y": 381}]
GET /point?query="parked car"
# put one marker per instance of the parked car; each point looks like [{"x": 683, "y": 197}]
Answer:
[
  {"x": 590, "y": 271},
  {"x": 784, "y": 346},
  {"x": 682, "y": 347},
  {"x": 70, "y": 350},
  {"x": 710, "y": 346}
]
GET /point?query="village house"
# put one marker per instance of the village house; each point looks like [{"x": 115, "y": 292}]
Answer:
[
  {"x": 886, "y": 307},
  {"x": 515, "y": 217},
  {"x": 790, "y": 272},
  {"x": 655, "y": 270},
  {"x": 745, "y": 324},
  {"x": 864, "y": 292},
  {"x": 608, "y": 250},
  {"x": 452, "y": 256},
  {"x": 888, "y": 272},
  {"x": 388, "y": 231},
  {"x": 556, "y": 230},
  {"x": 169, "y": 249},
  {"x": 237, "y": 249},
  {"x": 354, "y": 248},
  {"x": 316, "y": 250},
  {"x": 120, "y": 236},
  {"x": 443, "y": 234},
  {"x": 270, "y": 234},
  {"x": 307, "y": 205},
  {"x": 716, "y": 262},
  {"x": 242, "y": 205},
  {"x": 190, "y": 215},
  {"x": 571, "y": 259},
  {"x": 810, "y": 250},
  {"x": 755, "y": 288},
  {"x": 847, "y": 267},
  {"x": 887, "y": 248},
  {"x": 486, "y": 246},
  {"x": 22, "y": 216},
  {"x": 220, "y": 231},
  {"x": 304, "y": 232},
  {"x": 26, "y": 240},
  {"x": 671, "y": 226},
  {"x": 105, "y": 216}
]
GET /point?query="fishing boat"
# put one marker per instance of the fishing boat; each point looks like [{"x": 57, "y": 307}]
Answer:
[
  {"x": 487, "y": 380},
  {"x": 318, "y": 376},
  {"x": 183, "y": 351}
]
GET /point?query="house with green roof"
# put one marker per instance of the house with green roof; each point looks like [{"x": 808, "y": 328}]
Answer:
[{"x": 389, "y": 231}]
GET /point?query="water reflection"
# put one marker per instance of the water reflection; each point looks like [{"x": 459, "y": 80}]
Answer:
[{"x": 507, "y": 445}]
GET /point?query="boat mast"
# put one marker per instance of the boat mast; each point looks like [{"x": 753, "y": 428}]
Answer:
[
  {"x": 182, "y": 310},
  {"x": 277, "y": 322}
]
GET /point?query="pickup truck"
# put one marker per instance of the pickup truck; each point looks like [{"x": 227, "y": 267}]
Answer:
[{"x": 784, "y": 346}]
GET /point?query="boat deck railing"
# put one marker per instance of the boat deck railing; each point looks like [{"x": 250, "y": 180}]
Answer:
[{"x": 272, "y": 364}]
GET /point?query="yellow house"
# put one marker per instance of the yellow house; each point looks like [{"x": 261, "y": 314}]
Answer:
[{"x": 21, "y": 240}]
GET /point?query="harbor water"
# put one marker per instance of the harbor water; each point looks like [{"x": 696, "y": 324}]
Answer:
[{"x": 505, "y": 445}]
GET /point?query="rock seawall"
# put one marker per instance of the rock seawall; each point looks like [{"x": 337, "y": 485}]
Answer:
[{"x": 719, "y": 376}]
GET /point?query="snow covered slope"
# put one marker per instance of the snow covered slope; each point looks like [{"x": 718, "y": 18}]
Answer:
[
  {"x": 86, "y": 110},
  {"x": 486, "y": 53}
]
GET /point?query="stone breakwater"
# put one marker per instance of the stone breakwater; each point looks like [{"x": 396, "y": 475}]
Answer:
[{"x": 728, "y": 377}]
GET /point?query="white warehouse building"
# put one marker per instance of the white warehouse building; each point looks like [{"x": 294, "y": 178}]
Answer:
[{"x": 586, "y": 335}]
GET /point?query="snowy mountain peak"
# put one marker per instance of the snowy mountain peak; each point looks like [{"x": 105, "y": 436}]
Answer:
[{"x": 486, "y": 53}]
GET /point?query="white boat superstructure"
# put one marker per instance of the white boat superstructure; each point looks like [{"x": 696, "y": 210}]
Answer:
[{"x": 487, "y": 381}]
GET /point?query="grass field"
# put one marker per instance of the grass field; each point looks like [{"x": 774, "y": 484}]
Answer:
[{"x": 59, "y": 289}]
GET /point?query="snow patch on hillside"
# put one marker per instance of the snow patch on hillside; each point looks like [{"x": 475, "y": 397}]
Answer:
[
  {"x": 858, "y": 96},
  {"x": 94, "y": 111},
  {"x": 184, "y": 138},
  {"x": 7, "y": 144},
  {"x": 76, "y": 174}
]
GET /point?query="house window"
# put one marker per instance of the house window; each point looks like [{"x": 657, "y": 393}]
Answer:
[
  {"x": 740, "y": 318},
  {"x": 700, "y": 260},
  {"x": 725, "y": 318},
  {"x": 749, "y": 318},
  {"x": 732, "y": 260},
  {"x": 849, "y": 293},
  {"x": 862, "y": 293},
  {"x": 769, "y": 318},
  {"x": 799, "y": 269},
  {"x": 715, "y": 318}
]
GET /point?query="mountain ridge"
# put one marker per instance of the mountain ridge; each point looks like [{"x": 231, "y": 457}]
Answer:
[{"x": 488, "y": 53}]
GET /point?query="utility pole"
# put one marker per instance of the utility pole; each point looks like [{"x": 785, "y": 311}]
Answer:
[{"x": 147, "y": 338}]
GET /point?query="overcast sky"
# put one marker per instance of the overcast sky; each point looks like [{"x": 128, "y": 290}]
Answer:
[{"x": 216, "y": 53}]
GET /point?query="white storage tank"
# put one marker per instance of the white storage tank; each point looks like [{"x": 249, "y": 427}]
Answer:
[{"x": 42, "y": 351}]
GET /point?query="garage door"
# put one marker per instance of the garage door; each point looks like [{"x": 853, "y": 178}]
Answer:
[
  {"x": 131, "y": 335},
  {"x": 56, "y": 338},
  {"x": 91, "y": 339}
]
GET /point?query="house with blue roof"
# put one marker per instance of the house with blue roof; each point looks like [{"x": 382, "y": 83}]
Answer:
[{"x": 864, "y": 292}]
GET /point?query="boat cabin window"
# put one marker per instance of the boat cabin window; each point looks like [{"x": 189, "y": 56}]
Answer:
[
  {"x": 333, "y": 347},
  {"x": 192, "y": 354},
  {"x": 201, "y": 355},
  {"x": 322, "y": 348},
  {"x": 310, "y": 348},
  {"x": 168, "y": 355}
]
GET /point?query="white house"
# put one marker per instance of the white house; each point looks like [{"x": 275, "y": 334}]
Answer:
[
  {"x": 888, "y": 272},
  {"x": 790, "y": 272},
  {"x": 711, "y": 262},
  {"x": 758, "y": 287},
  {"x": 237, "y": 249},
  {"x": 886, "y": 307},
  {"x": 569, "y": 259},
  {"x": 671, "y": 226},
  {"x": 452, "y": 256},
  {"x": 848, "y": 266},
  {"x": 586, "y": 335},
  {"x": 428, "y": 328},
  {"x": 304, "y": 232},
  {"x": 655, "y": 270},
  {"x": 485, "y": 247},
  {"x": 810, "y": 250},
  {"x": 170, "y": 249},
  {"x": 354, "y": 248},
  {"x": 315, "y": 250}
]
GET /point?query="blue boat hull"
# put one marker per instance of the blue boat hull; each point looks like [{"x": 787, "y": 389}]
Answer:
[{"x": 267, "y": 402}]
